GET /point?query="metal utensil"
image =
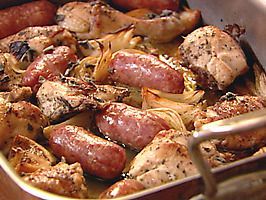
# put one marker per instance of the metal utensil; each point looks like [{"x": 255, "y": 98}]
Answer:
[{"x": 237, "y": 125}]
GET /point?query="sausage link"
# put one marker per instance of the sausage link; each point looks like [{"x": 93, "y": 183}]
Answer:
[
  {"x": 97, "y": 156},
  {"x": 155, "y": 5},
  {"x": 48, "y": 65},
  {"x": 128, "y": 125},
  {"x": 16, "y": 18},
  {"x": 121, "y": 188},
  {"x": 142, "y": 70}
]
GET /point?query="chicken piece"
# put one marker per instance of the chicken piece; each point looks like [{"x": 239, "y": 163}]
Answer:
[
  {"x": 37, "y": 39},
  {"x": 214, "y": 56},
  {"x": 15, "y": 95},
  {"x": 27, "y": 156},
  {"x": 142, "y": 13},
  {"x": 21, "y": 118},
  {"x": 166, "y": 159},
  {"x": 229, "y": 106},
  {"x": 62, "y": 179},
  {"x": 58, "y": 99},
  {"x": 95, "y": 19},
  {"x": 10, "y": 74}
]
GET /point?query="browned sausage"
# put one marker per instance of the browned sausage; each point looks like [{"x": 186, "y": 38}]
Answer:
[
  {"x": 154, "y": 5},
  {"x": 121, "y": 188},
  {"x": 128, "y": 125},
  {"x": 16, "y": 18},
  {"x": 139, "y": 70},
  {"x": 48, "y": 65},
  {"x": 97, "y": 156}
]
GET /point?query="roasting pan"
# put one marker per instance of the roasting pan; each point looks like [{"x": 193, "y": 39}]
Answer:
[{"x": 249, "y": 173}]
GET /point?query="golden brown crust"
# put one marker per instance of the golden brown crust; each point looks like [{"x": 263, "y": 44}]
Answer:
[
  {"x": 94, "y": 20},
  {"x": 229, "y": 106},
  {"x": 62, "y": 179},
  {"x": 27, "y": 156},
  {"x": 212, "y": 50},
  {"x": 19, "y": 118}
]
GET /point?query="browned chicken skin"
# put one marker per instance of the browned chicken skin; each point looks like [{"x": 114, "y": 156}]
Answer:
[
  {"x": 214, "y": 56},
  {"x": 231, "y": 105},
  {"x": 95, "y": 19},
  {"x": 65, "y": 97},
  {"x": 62, "y": 179},
  {"x": 9, "y": 78},
  {"x": 16, "y": 94},
  {"x": 166, "y": 159},
  {"x": 21, "y": 118},
  {"x": 27, "y": 156},
  {"x": 71, "y": 95},
  {"x": 38, "y": 38}
]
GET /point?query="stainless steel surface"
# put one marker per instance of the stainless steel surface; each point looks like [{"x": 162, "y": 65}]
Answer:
[
  {"x": 219, "y": 129},
  {"x": 244, "y": 187},
  {"x": 250, "y": 14}
]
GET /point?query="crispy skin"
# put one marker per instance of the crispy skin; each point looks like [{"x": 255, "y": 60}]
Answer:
[
  {"x": 37, "y": 13},
  {"x": 122, "y": 188},
  {"x": 142, "y": 70},
  {"x": 95, "y": 19},
  {"x": 56, "y": 99},
  {"x": 40, "y": 37},
  {"x": 9, "y": 79},
  {"x": 166, "y": 159},
  {"x": 232, "y": 107},
  {"x": 59, "y": 99},
  {"x": 62, "y": 179},
  {"x": 28, "y": 34},
  {"x": 21, "y": 118},
  {"x": 27, "y": 156},
  {"x": 97, "y": 156},
  {"x": 229, "y": 106},
  {"x": 128, "y": 125},
  {"x": 16, "y": 94},
  {"x": 214, "y": 56}
]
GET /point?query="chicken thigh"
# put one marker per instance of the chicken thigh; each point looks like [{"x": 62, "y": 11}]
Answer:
[{"x": 214, "y": 56}]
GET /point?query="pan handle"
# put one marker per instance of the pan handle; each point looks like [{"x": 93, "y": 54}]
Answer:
[{"x": 219, "y": 129}]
